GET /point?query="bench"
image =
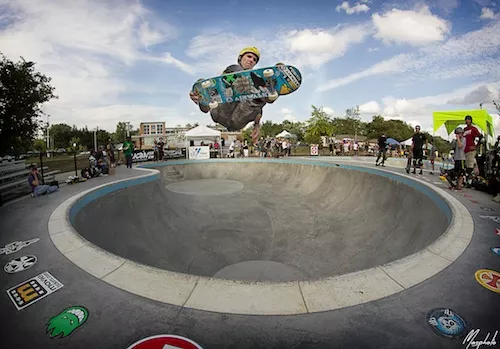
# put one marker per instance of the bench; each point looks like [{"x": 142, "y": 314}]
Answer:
[
  {"x": 50, "y": 176},
  {"x": 13, "y": 179}
]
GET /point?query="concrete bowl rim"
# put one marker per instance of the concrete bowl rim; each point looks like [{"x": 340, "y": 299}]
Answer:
[{"x": 273, "y": 298}]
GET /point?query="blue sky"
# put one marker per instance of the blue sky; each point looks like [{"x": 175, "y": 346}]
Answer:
[{"x": 135, "y": 61}]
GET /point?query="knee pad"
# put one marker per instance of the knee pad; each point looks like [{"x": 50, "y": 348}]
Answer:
[
  {"x": 420, "y": 163},
  {"x": 414, "y": 162}
]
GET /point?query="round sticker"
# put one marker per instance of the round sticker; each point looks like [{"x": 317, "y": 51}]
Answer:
[
  {"x": 496, "y": 250},
  {"x": 165, "y": 342},
  {"x": 19, "y": 264},
  {"x": 446, "y": 322},
  {"x": 489, "y": 279}
]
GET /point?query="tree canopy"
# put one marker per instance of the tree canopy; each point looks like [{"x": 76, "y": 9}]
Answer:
[{"x": 23, "y": 91}]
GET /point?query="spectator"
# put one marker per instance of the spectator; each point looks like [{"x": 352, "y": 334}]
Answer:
[
  {"x": 128, "y": 150},
  {"x": 35, "y": 181}
]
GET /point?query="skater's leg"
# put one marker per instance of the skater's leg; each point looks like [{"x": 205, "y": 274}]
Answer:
[{"x": 235, "y": 116}]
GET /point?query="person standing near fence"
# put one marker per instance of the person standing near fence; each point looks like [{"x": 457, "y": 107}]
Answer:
[{"x": 128, "y": 150}]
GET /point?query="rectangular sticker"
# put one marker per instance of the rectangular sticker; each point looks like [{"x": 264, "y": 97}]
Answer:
[{"x": 34, "y": 289}]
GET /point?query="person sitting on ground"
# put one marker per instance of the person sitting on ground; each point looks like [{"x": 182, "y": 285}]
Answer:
[
  {"x": 35, "y": 181},
  {"x": 236, "y": 115}
]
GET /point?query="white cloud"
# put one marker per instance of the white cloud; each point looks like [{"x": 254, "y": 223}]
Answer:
[
  {"x": 287, "y": 114},
  {"x": 371, "y": 107},
  {"x": 305, "y": 48},
  {"x": 474, "y": 54},
  {"x": 373, "y": 49},
  {"x": 410, "y": 27},
  {"x": 354, "y": 9},
  {"x": 106, "y": 117},
  {"x": 487, "y": 13},
  {"x": 392, "y": 65},
  {"x": 86, "y": 48},
  {"x": 418, "y": 111},
  {"x": 482, "y": 94},
  {"x": 329, "y": 111}
]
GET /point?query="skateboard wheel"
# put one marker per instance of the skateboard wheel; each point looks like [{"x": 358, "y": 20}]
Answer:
[
  {"x": 268, "y": 73},
  {"x": 273, "y": 96},
  {"x": 213, "y": 105},
  {"x": 206, "y": 84}
]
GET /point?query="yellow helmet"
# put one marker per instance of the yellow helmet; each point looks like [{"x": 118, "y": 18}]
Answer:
[{"x": 252, "y": 49}]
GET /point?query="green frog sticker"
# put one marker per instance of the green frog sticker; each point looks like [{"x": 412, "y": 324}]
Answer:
[{"x": 68, "y": 320}]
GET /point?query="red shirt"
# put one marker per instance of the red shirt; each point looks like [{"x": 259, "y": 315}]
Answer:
[{"x": 470, "y": 132}]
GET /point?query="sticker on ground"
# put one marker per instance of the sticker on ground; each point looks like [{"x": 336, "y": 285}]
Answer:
[
  {"x": 67, "y": 321},
  {"x": 445, "y": 322},
  {"x": 165, "y": 342},
  {"x": 496, "y": 250},
  {"x": 489, "y": 279},
  {"x": 16, "y": 246},
  {"x": 495, "y": 219},
  {"x": 19, "y": 264},
  {"x": 487, "y": 209},
  {"x": 34, "y": 289}
]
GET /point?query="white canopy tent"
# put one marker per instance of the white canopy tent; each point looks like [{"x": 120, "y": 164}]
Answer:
[
  {"x": 284, "y": 134},
  {"x": 203, "y": 133},
  {"x": 407, "y": 142}
]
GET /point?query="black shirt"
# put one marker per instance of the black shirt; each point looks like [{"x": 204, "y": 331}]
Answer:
[
  {"x": 382, "y": 141},
  {"x": 418, "y": 140}
]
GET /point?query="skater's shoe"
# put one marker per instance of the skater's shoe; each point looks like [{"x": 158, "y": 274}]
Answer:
[
  {"x": 377, "y": 164},
  {"x": 382, "y": 165},
  {"x": 431, "y": 173},
  {"x": 407, "y": 170},
  {"x": 420, "y": 172},
  {"x": 413, "y": 172}
]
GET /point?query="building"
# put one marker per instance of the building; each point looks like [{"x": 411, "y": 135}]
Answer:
[
  {"x": 148, "y": 132},
  {"x": 173, "y": 137}
]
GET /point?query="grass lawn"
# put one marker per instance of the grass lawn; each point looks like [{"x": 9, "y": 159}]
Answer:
[{"x": 61, "y": 162}]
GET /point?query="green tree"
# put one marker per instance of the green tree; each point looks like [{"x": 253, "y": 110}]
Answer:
[
  {"x": 23, "y": 91},
  {"x": 40, "y": 145},
  {"x": 296, "y": 128},
  {"x": 397, "y": 129},
  {"x": 120, "y": 134},
  {"x": 61, "y": 135},
  {"x": 318, "y": 125},
  {"x": 269, "y": 129}
]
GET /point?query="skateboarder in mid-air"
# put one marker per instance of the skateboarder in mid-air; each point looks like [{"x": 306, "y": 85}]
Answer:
[
  {"x": 417, "y": 150},
  {"x": 236, "y": 115}
]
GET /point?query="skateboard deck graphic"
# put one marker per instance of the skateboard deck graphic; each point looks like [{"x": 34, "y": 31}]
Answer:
[{"x": 268, "y": 82}]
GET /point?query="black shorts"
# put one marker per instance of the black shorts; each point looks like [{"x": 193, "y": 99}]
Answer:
[
  {"x": 418, "y": 154},
  {"x": 459, "y": 168}
]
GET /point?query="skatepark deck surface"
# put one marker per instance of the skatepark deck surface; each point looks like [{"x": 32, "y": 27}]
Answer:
[
  {"x": 390, "y": 306},
  {"x": 263, "y": 221}
]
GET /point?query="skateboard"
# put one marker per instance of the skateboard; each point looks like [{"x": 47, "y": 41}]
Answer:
[
  {"x": 408, "y": 164},
  {"x": 268, "y": 82}
]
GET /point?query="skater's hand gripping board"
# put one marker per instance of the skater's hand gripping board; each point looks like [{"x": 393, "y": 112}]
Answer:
[{"x": 268, "y": 82}]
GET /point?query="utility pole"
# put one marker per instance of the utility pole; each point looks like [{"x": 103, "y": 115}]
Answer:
[
  {"x": 48, "y": 138},
  {"x": 95, "y": 138},
  {"x": 128, "y": 128}
]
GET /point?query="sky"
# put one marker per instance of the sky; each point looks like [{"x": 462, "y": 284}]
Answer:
[{"x": 131, "y": 60}]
